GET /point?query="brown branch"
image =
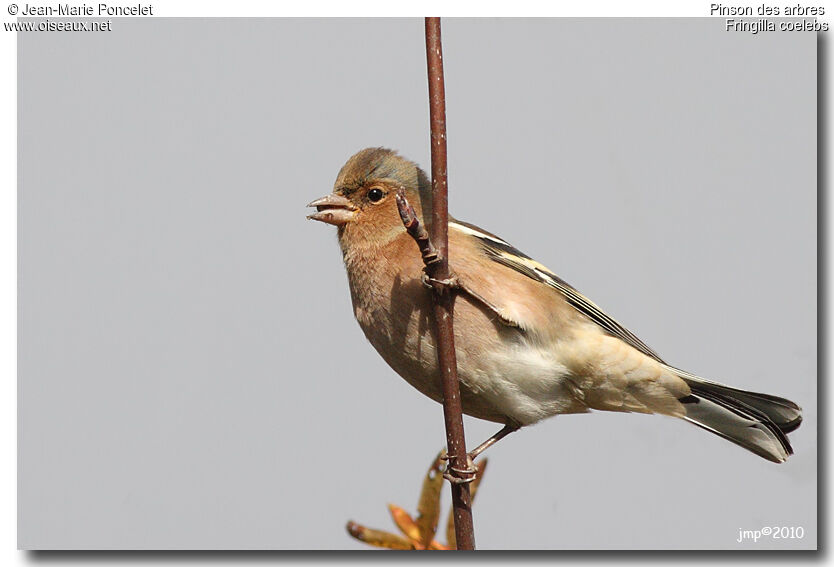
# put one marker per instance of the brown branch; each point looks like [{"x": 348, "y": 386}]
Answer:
[{"x": 435, "y": 258}]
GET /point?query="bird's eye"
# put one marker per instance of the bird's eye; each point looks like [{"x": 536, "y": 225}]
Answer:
[{"x": 375, "y": 195}]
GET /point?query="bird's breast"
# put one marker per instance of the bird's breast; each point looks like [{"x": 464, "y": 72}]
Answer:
[{"x": 505, "y": 375}]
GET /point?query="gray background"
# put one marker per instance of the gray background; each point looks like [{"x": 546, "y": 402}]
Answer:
[{"x": 191, "y": 376}]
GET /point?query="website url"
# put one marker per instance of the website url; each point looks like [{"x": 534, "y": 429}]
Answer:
[{"x": 50, "y": 26}]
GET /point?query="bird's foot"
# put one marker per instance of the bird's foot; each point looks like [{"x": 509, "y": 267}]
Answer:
[
  {"x": 470, "y": 456},
  {"x": 433, "y": 283},
  {"x": 457, "y": 475}
]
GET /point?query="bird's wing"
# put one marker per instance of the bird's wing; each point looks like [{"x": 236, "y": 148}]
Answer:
[{"x": 503, "y": 253}]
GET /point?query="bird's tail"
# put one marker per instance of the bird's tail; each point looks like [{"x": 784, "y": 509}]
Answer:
[{"x": 757, "y": 422}]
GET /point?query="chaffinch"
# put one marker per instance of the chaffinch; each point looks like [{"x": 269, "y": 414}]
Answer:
[{"x": 528, "y": 345}]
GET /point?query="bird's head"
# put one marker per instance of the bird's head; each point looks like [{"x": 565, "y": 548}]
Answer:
[{"x": 363, "y": 205}]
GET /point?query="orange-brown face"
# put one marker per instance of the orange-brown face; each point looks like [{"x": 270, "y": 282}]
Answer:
[
  {"x": 367, "y": 215},
  {"x": 363, "y": 203},
  {"x": 344, "y": 205}
]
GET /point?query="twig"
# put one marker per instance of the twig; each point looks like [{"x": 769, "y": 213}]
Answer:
[
  {"x": 444, "y": 289},
  {"x": 437, "y": 268}
]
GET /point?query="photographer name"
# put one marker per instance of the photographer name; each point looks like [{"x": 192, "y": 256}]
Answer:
[{"x": 87, "y": 10}]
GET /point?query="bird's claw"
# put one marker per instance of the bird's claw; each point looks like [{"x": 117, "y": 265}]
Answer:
[
  {"x": 457, "y": 475},
  {"x": 460, "y": 476},
  {"x": 433, "y": 283},
  {"x": 469, "y": 456}
]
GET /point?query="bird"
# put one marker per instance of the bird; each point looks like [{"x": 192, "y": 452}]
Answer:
[{"x": 529, "y": 346}]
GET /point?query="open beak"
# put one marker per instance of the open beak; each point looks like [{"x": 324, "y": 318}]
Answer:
[{"x": 333, "y": 209}]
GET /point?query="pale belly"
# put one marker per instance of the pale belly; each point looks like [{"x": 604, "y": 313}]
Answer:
[{"x": 504, "y": 375}]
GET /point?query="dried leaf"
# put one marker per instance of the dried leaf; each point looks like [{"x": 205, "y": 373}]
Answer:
[
  {"x": 428, "y": 507},
  {"x": 378, "y": 538},
  {"x": 437, "y": 546},
  {"x": 420, "y": 532},
  {"x": 477, "y": 482},
  {"x": 404, "y": 521}
]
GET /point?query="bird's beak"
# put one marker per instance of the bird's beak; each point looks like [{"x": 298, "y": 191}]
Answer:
[{"x": 333, "y": 209}]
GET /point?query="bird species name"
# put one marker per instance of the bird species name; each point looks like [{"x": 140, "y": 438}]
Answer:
[
  {"x": 765, "y": 10},
  {"x": 765, "y": 25}
]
